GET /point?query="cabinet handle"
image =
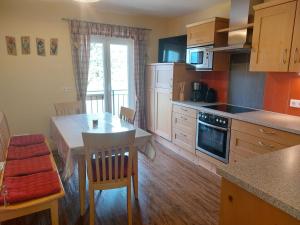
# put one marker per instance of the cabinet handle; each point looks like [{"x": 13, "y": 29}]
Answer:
[
  {"x": 296, "y": 56},
  {"x": 184, "y": 135},
  {"x": 266, "y": 132},
  {"x": 285, "y": 53},
  {"x": 265, "y": 145},
  {"x": 183, "y": 118},
  {"x": 230, "y": 198},
  {"x": 183, "y": 109}
]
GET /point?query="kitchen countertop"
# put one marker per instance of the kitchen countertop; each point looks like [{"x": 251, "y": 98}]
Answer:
[
  {"x": 269, "y": 119},
  {"x": 273, "y": 177}
]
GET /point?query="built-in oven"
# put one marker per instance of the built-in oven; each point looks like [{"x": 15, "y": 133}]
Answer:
[
  {"x": 199, "y": 58},
  {"x": 213, "y": 136}
]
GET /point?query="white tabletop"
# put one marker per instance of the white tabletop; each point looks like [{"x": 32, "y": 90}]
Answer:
[{"x": 71, "y": 127}]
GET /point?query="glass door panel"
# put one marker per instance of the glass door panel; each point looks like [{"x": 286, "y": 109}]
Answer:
[{"x": 95, "y": 100}]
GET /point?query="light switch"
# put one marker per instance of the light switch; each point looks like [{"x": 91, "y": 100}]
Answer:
[{"x": 295, "y": 103}]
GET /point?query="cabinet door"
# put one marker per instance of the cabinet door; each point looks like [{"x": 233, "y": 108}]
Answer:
[
  {"x": 201, "y": 34},
  {"x": 295, "y": 53},
  {"x": 164, "y": 76},
  {"x": 150, "y": 102},
  {"x": 163, "y": 113},
  {"x": 150, "y": 76},
  {"x": 272, "y": 37}
]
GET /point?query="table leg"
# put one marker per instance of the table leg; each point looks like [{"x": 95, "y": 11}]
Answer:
[
  {"x": 82, "y": 184},
  {"x": 136, "y": 175}
]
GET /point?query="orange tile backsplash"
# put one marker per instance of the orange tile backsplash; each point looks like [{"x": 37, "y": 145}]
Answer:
[
  {"x": 219, "y": 82},
  {"x": 279, "y": 89}
]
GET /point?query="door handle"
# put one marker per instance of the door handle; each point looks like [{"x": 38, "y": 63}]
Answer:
[{"x": 266, "y": 132}]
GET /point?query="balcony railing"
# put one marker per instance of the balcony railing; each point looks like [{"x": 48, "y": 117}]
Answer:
[{"x": 95, "y": 101}]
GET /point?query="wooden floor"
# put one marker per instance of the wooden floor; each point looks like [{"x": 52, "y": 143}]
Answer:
[{"x": 173, "y": 191}]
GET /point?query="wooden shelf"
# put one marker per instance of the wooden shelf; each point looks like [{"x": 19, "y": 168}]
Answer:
[{"x": 250, "y": 25}]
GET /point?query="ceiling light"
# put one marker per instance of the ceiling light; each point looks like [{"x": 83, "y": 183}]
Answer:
[{"x": 86, "y": 1}]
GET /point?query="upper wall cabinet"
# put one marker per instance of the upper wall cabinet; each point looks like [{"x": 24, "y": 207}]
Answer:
[
  {"x": 295, "y": 53},
  {"x": 204, "y": 32},
  {"x": 272, "y": 49}
]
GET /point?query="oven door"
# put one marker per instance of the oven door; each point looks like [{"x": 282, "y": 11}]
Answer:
[{"x": 213, "y": 140}]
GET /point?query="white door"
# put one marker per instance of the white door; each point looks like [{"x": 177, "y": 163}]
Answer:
[{"x": 111, "y": 81}]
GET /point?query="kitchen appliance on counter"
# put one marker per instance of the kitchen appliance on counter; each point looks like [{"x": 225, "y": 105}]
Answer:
[
  {"x": 199, "y": 91},
  {"x": 199, "y": 58},
  {"x": 211, "y": 96},
  {"x": 213, "y": 136}
]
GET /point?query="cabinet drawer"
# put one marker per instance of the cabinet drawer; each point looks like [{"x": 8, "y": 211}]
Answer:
[
  {"x": 281, "y": 137},
  {"x": 184, "y": 123},
  {"x": 244, "y": 145},
  {"x": 185, "y": 111},
  {"x": 184, "y": 140}
]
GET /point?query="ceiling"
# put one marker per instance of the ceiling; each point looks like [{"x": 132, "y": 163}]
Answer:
[{"x": 164, "y": 8}]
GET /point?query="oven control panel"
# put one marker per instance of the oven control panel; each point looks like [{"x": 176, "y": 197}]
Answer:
[{"x": 213, "y": 119}]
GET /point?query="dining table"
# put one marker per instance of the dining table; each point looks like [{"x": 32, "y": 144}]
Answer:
[{"x": 66, "y": 132}]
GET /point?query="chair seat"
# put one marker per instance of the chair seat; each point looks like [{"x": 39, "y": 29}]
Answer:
[
  {"x": 21, "y": 189},
  {"x": 28, "y": 166},
  {"x": 107, "y": 169},
  {"x": 24, "y": 140},
  {"x": 25, "y": 152}
]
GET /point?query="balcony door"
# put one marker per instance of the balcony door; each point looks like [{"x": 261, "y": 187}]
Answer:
[{"x": 111, "y": 81}]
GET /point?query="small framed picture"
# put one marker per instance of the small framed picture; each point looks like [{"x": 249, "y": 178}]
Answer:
[
  {"x": 53, "y": 46},
  {"x": 40, "y": 47},
  {"x": 25, "y": 44},
  {"x": 11, "y": 45}
]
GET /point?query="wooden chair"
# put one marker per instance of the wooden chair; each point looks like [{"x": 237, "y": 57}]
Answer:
[
  {"x": 127, "y": 114},
  {"x": 109, "y": 164},
  {"x": 4, "y": 136},
  {"x": 68, "y": 108}
]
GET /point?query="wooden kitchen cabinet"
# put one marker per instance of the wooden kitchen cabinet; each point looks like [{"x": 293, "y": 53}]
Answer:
[
  {"x": 239, "y": 207},
  {"x": 184, "y": 127},
  {"x": 249, "y": 140},
  {"x": 164, "y": 76},
  {"x": 295, "y": 53},
  {"x": 272, "y": 36},
  {"x": 163, "y": 113},
  {"x": 204, "y": 32}
]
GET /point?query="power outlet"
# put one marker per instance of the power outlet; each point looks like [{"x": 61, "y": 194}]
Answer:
[
  {"x": 67, "y": 89},
  {"x": 295, "y": 103}
]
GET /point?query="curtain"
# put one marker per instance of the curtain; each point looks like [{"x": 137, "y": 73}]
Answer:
[
  {"x": 80, "y": 35},
  {"x": 80, "y": 43}
]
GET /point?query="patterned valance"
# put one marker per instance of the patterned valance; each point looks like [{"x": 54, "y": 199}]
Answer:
[{"x": 108, "y": 30}]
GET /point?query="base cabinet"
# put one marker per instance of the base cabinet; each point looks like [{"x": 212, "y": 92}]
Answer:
[
  {"x": 239, "y": 207},
  {"x": 163, "y": 113}
]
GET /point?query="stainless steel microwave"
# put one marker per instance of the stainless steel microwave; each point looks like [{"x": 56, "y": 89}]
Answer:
[{"x": 199, "y": 58}]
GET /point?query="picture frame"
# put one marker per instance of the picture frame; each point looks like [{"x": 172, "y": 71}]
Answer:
[
  {"x": 40, "y": 47},
  {"x": 25, "y": 45},
  {"x": 53, "y": 46},
  {"x": 11, "y": 45}
]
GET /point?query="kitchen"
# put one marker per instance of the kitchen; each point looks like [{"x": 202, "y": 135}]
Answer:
[
  {"x": 207, "y": 92},
  {"x": 221, "y": 110}
]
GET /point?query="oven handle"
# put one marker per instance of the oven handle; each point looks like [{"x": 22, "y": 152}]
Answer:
[{"x": 213, "y": 126}]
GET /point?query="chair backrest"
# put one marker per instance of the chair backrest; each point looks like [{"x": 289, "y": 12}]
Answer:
[
  {"x": 4, "y": 135},
  {"x": 68, "y": 108},
  {"x": 106, "y": 151},
  {"x": 127, "y": 114}
]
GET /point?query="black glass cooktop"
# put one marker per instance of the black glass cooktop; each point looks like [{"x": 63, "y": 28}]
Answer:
[{"x": 230, "y": 108}]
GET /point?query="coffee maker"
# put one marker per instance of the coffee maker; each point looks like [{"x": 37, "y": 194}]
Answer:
[{"x": 199, "y": 90}]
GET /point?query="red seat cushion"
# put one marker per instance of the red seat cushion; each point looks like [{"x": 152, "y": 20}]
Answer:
[
  {"x": 24, "y": 140},
  {"x": 20, "y": 189},
  {"x": 107, "y": 170},
  {"x": 25, "y": 152},
  {"x": 27, "y": 166}
]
